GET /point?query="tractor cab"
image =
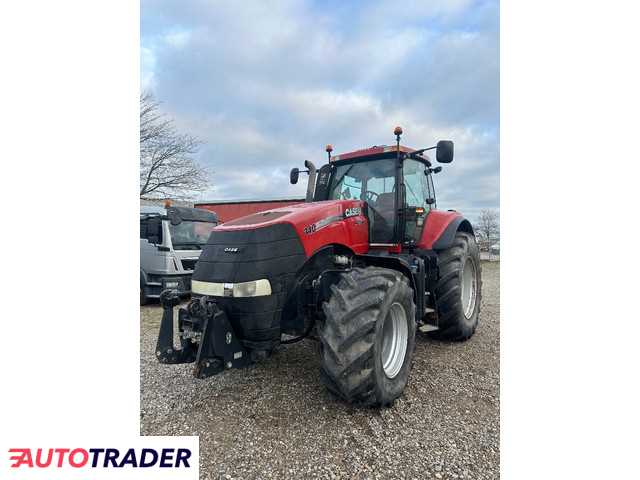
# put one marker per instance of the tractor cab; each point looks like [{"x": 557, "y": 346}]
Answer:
[
  {"x": 395, "y": 182},
  {"x": 398, "y": 195}
]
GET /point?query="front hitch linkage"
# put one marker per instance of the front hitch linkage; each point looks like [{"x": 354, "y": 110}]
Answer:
[{"x": 218, "y": 346}]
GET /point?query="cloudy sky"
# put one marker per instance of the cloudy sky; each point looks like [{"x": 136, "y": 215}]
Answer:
[{"x": 268, "y": 84}]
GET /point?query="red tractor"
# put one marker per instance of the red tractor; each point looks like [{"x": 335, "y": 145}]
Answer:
[{"x": 362, "y": 265}]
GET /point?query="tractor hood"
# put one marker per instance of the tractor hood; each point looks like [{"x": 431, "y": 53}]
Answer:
[
  {"x": 316, "y": 223},
  {"x": 271, "y": 248},
  {"x": 294, "y": 214}
]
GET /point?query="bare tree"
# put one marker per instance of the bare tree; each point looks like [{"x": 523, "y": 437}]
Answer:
[
  {"x": 167, "y": 166},
  {"x": 488, "y": 227}
]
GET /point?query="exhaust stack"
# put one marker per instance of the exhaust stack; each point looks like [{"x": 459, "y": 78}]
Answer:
[{"x": 311, "y": 186}]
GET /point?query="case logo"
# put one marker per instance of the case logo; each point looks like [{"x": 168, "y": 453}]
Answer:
[
  {"x": 232, "y": 249},
  {"x": 352, "y": 212}
]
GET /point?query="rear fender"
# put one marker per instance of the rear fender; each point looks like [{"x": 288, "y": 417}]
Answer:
[
  {"x": 440, "y": 229},
  {"x": 446, "y": 239}
]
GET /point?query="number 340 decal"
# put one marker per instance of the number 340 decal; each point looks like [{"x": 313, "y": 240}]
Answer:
[{"x": 314, "y": 227}]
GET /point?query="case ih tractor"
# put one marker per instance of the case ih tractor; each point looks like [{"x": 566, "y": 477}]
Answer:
[{"x": 361, "y": 266}]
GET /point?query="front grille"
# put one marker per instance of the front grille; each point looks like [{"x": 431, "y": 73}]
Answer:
[
  {"x": 189, "y": 264},
  {"x": 275, "y": 253}
]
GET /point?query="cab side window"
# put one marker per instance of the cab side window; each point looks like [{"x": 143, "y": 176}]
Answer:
[
  {"x": 416, "y": 188},
  {"x": 416, "y": 184},
  {"x": 431, "y": 190}
]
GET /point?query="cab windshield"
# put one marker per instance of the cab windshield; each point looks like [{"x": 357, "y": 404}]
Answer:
[
  {"x": 190, "y": 235},
  {"x": 375, "y": 183},
  {"x": 363, "y": 180}
]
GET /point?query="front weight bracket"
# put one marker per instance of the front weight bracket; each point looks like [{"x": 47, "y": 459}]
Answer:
[
  {"x": 219, "y": 347},
  {"x": 165, "y": 351}
]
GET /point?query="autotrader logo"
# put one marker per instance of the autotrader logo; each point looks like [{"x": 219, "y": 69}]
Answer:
[{"x": 99, "y": 458}]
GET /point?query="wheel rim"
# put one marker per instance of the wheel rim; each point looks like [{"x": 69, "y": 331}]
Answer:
[
  {"x": 395, "y": 333},
  {"x": 469, "y": 286}
]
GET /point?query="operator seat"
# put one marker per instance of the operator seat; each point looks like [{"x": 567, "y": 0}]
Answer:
[{"x": 384, "y": 214}]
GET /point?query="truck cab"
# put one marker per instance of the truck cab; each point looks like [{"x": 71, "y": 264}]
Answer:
[{"x": 171, "y": 240}]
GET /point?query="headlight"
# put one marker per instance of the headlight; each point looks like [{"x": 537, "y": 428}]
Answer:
[{"x": 256, "y": 288}]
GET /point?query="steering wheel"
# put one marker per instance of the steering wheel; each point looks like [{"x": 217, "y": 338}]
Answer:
[{"x": 371, "y": 197}]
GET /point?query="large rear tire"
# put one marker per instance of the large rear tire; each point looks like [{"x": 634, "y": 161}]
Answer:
[
  {"x": 367, "y": 336},
  {"x": 459, "y": 289}
]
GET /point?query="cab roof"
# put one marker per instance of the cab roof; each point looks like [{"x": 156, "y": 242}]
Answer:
[{"x": 371, "y": 151}]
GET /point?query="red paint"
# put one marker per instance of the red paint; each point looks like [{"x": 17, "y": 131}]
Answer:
[
  {"x": 228, "y": 211},
  {"x": 434, "y": 227},
  {"x": 351, "y": 232}
]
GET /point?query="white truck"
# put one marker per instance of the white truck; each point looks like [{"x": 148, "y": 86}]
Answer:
[{"x": 171, "y": 241}]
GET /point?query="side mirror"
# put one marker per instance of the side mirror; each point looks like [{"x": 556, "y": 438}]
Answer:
[
  {"x": 154, "y": 230},
  {"x": 430, "y": 201},
  {"x": 293, "y": 176},
  {"x": 444, "y": 151}
]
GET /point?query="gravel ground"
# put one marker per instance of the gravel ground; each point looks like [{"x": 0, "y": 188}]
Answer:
[{"x": 275, "y": 419}]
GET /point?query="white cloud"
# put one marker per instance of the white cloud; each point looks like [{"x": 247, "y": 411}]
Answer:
[
  {"x": 178, "y": 39},
  {"x": 329, "y": 105},
  {"x": 147, "y": 67}
]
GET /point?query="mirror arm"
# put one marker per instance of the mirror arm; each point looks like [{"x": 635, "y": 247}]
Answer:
[{"x": 422, "y": 150}]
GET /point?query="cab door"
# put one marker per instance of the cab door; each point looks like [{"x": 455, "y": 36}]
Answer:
[{"x": 417, "y": 198}]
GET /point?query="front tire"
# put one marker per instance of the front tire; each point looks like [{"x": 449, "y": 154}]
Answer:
[
  {"x": 367, "y": 336},
  {"x": 459, "y": 289}
]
